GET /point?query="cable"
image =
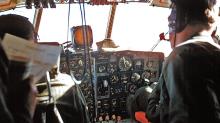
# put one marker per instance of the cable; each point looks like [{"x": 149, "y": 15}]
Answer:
[
  {"x": 85, "y": 40},
  {"x": 87, "y": 55}
]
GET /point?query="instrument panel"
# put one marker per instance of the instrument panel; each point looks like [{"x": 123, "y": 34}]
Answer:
[{"x": 114, "y": 75}]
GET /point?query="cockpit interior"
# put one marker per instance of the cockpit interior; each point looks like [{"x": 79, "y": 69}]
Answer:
[{"x": 110, "y": 48}]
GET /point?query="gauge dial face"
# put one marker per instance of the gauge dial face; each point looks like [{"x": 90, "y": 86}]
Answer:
[
  {"x": 125, "y": 78},
  {"x": 135, "y": 77},
  {"x": 80, "y": 62},
  {"x": 101, "y": 68},
  {"x": 112, "y": 67},
  {"x": 114, "y": 79},
  {"x": 132, "y": 88},
  {"x": 125, "y": 63},
  {"x": 146, "y": 75}
]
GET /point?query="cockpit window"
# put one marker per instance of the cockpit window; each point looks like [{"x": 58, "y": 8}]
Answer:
[{"x": 136, "y": 26}]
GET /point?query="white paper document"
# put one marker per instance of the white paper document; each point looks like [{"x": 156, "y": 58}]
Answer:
[{"x": 41, "y": 57}]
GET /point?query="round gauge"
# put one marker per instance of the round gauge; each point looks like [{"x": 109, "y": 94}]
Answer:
[
  {"x": 146, "y": 75},
  {"x": 114, "y": 79},
  {"x": 135, "y": 77},
  {"x": 112, "y": 67},
  {"x": 77, "y": 73},
  {"x": 114, "y": 102},
  {"x": 132, "y": 88},
  {"x": 101, "y": 68},
  {"x": 124, "y": 63},
  {"x": 80, "y": 62}
]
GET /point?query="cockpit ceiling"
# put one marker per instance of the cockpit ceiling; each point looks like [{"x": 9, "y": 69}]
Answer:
[{"x": 10, "y": 4}]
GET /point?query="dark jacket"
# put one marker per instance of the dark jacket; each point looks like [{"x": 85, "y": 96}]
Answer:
[
  {"x": 153, "y": 108},
  {"x": 190, "y": 84},
  {"x": 5, "y": 114},
  {"x": 13, "y": 94},
  {"x": 137, "y": 102}
]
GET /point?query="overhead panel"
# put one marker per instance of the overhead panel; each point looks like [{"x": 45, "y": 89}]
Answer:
[{"x": 29, "y": 4}]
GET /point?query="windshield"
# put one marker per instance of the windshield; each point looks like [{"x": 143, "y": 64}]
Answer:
[{"x": 136, "y": 26}]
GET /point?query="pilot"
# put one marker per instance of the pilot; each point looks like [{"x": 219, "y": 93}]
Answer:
[
  {"x": 190, "y": 80},
  {"x": 153, "y": 108},
  {"x": 17, "y": 95}
]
